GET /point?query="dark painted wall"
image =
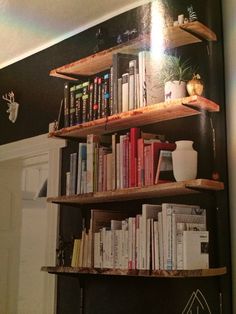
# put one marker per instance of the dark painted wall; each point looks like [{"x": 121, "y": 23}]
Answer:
[{"x": 39, "y": 94}]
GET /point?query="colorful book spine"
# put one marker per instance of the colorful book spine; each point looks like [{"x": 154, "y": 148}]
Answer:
[
  {"x": 111, "y": 91},
  {"x": 91, "y": 101},
  {"x": 106, "y": 95},
  {"x": 99, "y": 100},
  {"x": 95, "y": 98},
  {"x": 85, "y": 102}
]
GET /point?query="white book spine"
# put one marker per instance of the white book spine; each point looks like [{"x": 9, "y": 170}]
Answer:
[
  {"x": 97, "y": 250},
  {"x": 156, "y": 246},
  {"x": 130, "y": 249},
  {"x": 167, "y": 210},
  {"x": 68, "y": 183},
  {"x": 189, "y": 223},
  {"x": 141, "y": 79},
  {"x": 160, "y": 238},
  {"x": 132, "y": 84}
]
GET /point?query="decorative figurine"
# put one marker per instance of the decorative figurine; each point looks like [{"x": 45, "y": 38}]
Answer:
[
  {"x": 195, "y": 85},
  {"x": 101, "y": 40},
  {"x": 192, "y": 14},
  {"x": 13, "y": 106}
]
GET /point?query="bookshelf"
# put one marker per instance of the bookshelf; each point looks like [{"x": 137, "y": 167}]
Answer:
[
  {"x": 201, "y": 189},
  {"x": 168, "y": 110},
  {"x": 157, "y": 191},
  {"x": 60, "y": 270},
  {"x": 186, "y": 34}
]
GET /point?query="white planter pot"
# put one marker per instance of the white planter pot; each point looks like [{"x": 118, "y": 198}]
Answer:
[
  {"x": 175, "y": 89},
  {"x": 184, "y": 161}
]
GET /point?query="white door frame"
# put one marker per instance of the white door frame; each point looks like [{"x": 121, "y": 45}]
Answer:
[{"x": 50, "y": 149}]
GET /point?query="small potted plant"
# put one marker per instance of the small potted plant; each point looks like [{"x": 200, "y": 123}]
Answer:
[{"x": 174, "y": 73}]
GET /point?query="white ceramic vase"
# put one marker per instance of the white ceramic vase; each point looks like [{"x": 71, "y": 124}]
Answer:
[
  {"x": 175, "y": 89},
  {"x": 184, "y": 159}
]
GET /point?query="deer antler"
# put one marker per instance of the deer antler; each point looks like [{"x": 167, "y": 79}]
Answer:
[{"x": 11, "y": 98}]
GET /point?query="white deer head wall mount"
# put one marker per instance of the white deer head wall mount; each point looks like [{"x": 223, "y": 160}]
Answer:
[{"x": 13, "y": 106}]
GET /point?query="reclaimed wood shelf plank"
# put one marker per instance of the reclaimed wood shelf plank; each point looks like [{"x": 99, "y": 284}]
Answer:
[
  {"x": 168, "y": 110},
  {"x": 158, "y": 190},
  {"x": 186, "y": 34},
  {"x": 61, "y": 270}
]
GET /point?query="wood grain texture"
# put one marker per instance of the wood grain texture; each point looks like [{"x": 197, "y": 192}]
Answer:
[
  {"x": 186, "y": 34},
  {"x": 60, "y": 270},
  {"x": 158, "y": 190},
  {"x": 163, "y": 111}
]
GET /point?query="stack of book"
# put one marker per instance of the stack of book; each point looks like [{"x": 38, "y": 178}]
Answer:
[
  {"x": 168, "y": 236},
  {"x": 130, "y": 83},
  {"x": 128, "y": 160}
]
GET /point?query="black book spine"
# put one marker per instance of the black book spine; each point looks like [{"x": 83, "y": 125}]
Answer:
[
  {"x": 91, "y": 100},
  {"x": 106, "y": 94},
  {"x": 95, "y": 98},
  {"x": 111, "y": 91},
  {"x": 99, "y": 97},
  {"x": 66, "y": 104},
  {"x": 72, "y": 105},
  {"x": 85, "y": 102},
  {"x": 78, "y": 104}
]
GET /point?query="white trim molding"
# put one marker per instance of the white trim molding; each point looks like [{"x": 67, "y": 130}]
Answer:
[
  {"x": 33, "y": 146},
  {"x": 28, "y": 152}
]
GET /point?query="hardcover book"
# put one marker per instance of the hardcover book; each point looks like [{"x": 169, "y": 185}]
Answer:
[
  {"x": 133, "y": 70},
  {"x": 168, "y": 209},
  {"x": 120, "y": 64},
  {"x": 92, "y": 142},
  {"x": 195, "y": 249},
  {"x": 148, "y": 211}
]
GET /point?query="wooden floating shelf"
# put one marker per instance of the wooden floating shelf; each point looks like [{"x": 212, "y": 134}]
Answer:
[
  {"x": 186, "y": 34},
  {"x": 61, "y": 270},
  {"x": 158, "y": 190},
  {"x": 168, "y": 110}
]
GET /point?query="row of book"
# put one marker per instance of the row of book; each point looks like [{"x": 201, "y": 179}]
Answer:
[
  {"x": 129, "y": 160},
  {"x": 130, "y": 83},
  {"x": 168, "y": 236}
]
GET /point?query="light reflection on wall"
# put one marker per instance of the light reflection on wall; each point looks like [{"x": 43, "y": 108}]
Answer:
[{"x": 157, "y": 30}]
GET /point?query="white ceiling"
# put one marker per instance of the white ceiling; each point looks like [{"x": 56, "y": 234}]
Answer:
[{"x": 28, "y": 26}]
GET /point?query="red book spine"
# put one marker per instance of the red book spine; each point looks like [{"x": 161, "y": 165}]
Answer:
[
  {"x": 133, "y": 175},
  {"x": 126, "y": 161},
  {"x": 140, "y": 163},
  {"x": 147, "y": 150}
]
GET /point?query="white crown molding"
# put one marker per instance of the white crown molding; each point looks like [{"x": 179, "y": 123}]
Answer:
[{"x": 30, "y": 147}]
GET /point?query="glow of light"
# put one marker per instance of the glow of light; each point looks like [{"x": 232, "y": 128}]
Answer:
[{"x": 157, "y": 30}]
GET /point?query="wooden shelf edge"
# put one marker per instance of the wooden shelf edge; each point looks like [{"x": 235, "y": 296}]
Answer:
[
  {"x": 60, "y": 270},
  {"x": 186, "y": 34},
  {"x": 163, "y": 111},
  {"x": 158, "y": 190},
  {"x": 201, "y": 30}
]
